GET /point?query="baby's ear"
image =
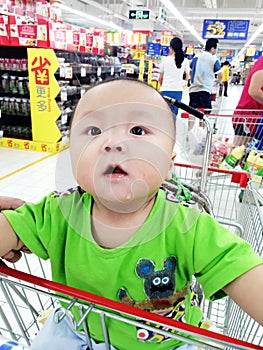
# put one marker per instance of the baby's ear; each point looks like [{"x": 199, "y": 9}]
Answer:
[{"x": 170, "y": 171}]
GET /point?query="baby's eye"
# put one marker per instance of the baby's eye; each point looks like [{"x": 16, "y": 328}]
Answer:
[
  {"x": 93, "y": 131},
  {"x": 138, "y": 130}
]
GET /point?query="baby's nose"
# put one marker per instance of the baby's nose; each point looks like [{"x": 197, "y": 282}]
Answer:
[{"x": 112, "y": 148}]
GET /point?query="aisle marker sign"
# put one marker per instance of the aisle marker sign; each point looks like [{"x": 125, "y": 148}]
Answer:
[{"x": 42, "y": 65}]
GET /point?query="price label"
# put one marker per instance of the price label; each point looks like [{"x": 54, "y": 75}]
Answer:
[
  {"x": 68, "y": 73},
  {"x": 83, "y": 71},
  {"x": 63, "y": 94},
  {"x": 64, "y": 118}
]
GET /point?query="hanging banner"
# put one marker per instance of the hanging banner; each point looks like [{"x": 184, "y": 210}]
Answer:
[
  {"x": 42, "y": 64},
  {"x": 166, "y": 38},
  {"x": 150, "y": 71},
  {"x": 141, "y": 68},
  {"x": 225, "y": 29},
  {"x": 251, "y": 50}
]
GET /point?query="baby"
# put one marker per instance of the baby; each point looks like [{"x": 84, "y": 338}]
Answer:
[{"x": 118, "y": 235}]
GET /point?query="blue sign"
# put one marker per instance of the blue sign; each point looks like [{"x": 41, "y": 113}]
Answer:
[
  {"x": 258, "y": 54},
  {"x": 165, "y": 50},
  {"x": 225, "y": 29},
  {"x": 154, "y": 49}
]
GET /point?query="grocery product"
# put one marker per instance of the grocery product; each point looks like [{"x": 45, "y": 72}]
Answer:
[{"x": 233, "y": 158}]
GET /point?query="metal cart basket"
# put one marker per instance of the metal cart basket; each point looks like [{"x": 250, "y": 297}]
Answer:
[{"x": 29, "y": 295}]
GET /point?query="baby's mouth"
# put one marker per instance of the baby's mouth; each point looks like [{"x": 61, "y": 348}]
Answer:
[{"x": 114, "y": 169}]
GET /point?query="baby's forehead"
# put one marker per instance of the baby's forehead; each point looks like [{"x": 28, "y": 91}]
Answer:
[
  {"x": 109, "y": 93},
  {"x": 132, "y": 94}
]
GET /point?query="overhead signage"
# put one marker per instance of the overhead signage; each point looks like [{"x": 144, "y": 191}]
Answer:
[
  {"x": 162, "y": 15},
  {"x": 225, "y": 29},
  {"x": 154, "y": 49},
  {"x": 166, "y": 37},
  {"x": 165, "y": 50},
  {"x": 251, "y": 50},
  {"x": 258, "y": 54},
  {"x": 139, "y": 14}
]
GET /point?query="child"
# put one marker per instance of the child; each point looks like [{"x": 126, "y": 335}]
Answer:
[{"x": 119, "y": 236}]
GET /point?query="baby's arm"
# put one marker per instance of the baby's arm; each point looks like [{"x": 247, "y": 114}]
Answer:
[
  {"x": 246, "y": 291},
  {"x": 8, "y": 237}
]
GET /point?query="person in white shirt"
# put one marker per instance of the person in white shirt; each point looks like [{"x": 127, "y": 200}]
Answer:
[
  {"x": 174, "y": 70},
  {"x": 203, "y": 70}
]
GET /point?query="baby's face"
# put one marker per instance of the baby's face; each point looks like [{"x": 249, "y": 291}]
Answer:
[{"x": 121, "y": 144}]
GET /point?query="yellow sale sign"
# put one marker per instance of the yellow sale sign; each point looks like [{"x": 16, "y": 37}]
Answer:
[{"x": 42, "y": 65}]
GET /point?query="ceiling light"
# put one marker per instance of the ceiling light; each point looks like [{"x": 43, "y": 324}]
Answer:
[
  {"x": 180, "y": 17},
  {"x": 107, "y": 24},
  {"x": 211, "y": 4}
]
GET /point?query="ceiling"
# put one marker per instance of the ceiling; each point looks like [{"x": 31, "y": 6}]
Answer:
[{"x": 194, "y": 11}]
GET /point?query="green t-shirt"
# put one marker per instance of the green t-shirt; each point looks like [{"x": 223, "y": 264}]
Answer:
[{"x": 174, "y": 243}]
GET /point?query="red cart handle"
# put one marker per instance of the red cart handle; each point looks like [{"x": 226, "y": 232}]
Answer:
[{"x": 118, "y": 306}]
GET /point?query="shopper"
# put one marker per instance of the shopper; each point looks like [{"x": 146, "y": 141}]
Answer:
[
  {"x": 250, "y": 103},
  {"x": 203, "y": 69},
  {"x": 225, "y": 77},
  {"x": 174, "y": 72},
  {"x": 118, "y": 229}
]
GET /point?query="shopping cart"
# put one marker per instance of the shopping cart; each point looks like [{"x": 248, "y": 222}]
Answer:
[
  {"x": 27, "y": 293},
  {"x": 242, "y": 217}
]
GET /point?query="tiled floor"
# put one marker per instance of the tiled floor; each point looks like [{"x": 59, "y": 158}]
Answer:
[{"x": 31, "y": 175}]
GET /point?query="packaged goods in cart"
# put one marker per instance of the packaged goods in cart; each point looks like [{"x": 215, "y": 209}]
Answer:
[
  {"x": 233, "y": 158},
  {"x": 254, "y": 165},
  {"x": 219, "y": 150}
]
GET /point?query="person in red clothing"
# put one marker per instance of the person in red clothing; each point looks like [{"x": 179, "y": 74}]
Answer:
[{"x": 250, "y": 103}]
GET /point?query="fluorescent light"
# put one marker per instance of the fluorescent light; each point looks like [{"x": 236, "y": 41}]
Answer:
[
  {"x": 211, "y": 4},
  {"x": 107, "y": 24},
  {"x": 179, "y": 16}
]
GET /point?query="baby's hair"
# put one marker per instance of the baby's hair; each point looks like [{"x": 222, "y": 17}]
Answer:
[{"x": 108, "y": 80}]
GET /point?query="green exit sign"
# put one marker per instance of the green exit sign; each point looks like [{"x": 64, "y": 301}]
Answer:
[{"x": 139, "y": 14}]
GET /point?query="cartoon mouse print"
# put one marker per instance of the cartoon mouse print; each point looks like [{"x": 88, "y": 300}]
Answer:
[{"x": 159, "y": 286}]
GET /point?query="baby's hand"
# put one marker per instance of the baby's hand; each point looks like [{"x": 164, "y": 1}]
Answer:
[
  {"x": 10, "y": 203},
  {"x": 14, "y": 255}
]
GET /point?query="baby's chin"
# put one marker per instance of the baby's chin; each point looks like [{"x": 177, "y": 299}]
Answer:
[{"x": 124, "y": 205}]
